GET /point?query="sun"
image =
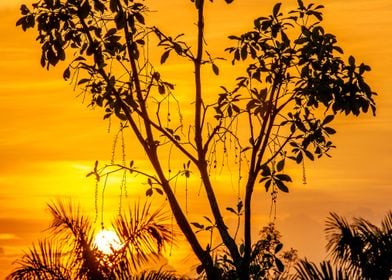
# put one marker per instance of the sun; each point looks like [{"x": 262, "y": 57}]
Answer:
[{"x": 107, "y": 241}]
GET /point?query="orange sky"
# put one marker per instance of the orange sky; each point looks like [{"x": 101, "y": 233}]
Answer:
[{"x": 49, "y": 140}]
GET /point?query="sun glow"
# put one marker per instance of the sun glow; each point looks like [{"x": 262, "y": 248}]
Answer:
[{"x": 107, "y": 241}]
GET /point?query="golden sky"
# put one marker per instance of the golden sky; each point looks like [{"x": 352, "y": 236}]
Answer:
[{"x": 49, "y": 140}]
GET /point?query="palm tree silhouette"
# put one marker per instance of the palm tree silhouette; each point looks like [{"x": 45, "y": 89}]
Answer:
[
  {"x": 359, "y": 250},
  {"x": 70, "y": 252},
  {"x": 361, "y": 247},
  {"x": 307, "y": 270}
]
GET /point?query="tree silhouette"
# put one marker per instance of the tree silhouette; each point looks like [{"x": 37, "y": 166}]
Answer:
[
  {"x": 70, "y": 252},
  {"x": 359, "y": 250},
  {"x": 279, "y": 109},
  {"x": 361, "y": 247}
]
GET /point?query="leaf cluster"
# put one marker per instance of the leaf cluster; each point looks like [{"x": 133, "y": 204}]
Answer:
[
  {"x": 295, "y": 83},
  {"x": 267, "y": 257}
]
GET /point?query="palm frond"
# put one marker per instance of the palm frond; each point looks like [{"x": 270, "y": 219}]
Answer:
[
  {"x": 143, "y": 233},
  {"x": 307, "y": 270},
  {"x": 337, "y": 228},
  {"x": 386, "y": 224},
  {"x": 155, "y": 275},
  {"x": 46, "y": 260},
  {"x": 71, "y": 226},
  {"x": 344, "y": 243},
  {"x": 67, "y": 220}
]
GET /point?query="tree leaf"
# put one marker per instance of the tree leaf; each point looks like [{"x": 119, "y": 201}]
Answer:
[
  {"x": 338, "y": 49},
  {"x": 121, "y": 116},
  {"x": 110, "y": 32},
  {"x": 309, "y": 155},
  {"x": 351, "y": 60},
  {"x": 139, "y": 17},
  {"x": 265, "y": 171},
  {"x": 84, "y": 10},
  {"x": 244, "y": 52},
  {"x": 279, "y": 264},
  {"x": 299, "y": 158},
  {"x": 149, "y": 192},
  {"x": 283, "y": 177},
  {"x": 301, "y": 40},
  {"x": 329, "y": 130},
  {"x": 99, "y": 6},
  {"x": 158, "y": 190},
  {"x": 328, "y": 119},
  {"x": 215, "y": 69},
  {"x": 83, "y": 81},
  {"x": 280, "y": 165},
  {"x": 197, "y": 225},
  {"x": 161, "y": 89},
  {"x": 278, "y": 248},
  {"x": 240, "y": 204},
  {"x": 113, "y": 5},
  {"x": 164, "y": 56},
  {"x": 120, "y": 20},
  {"x": 233, "y": 37},
  {"x": 67, "y": 74},
  {"x": 276, "y": 9},
  {"x": 282, "y": 186},
  {"x": 267, "y": 185}
]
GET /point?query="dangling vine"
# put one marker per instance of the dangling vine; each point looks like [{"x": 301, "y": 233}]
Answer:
[
  {"x": 103, "y": 200},
  {"x": 273, "y": 207},
  {"x": 304, "y": 180}
]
